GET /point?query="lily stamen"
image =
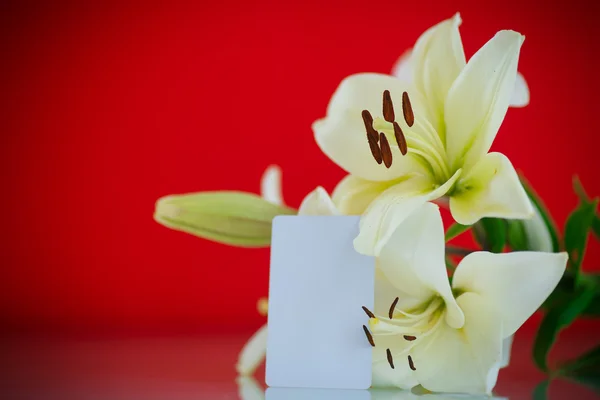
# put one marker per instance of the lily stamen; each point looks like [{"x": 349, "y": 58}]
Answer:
[
  {"x": 389, "y": 358},
  {"x": 382, "y": 151},
  {"x": 368, "y": 121},
  {"x": 407, "y": 110},
  {"x": 411, "y": 364},
  {"x": 400, "y": 138},
  {"x": 388, "y": 107},
  {"x": 393, "y": 306},
  {"x": 409, "y": 338},
  {"x": 369, "y": 337},
  {"x": 368, "y": 312},
  {"x": 386, "y": 151}
]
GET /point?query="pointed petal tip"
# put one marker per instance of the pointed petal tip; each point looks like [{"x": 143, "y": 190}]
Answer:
[
  {"x": 457, "y": 19},
  {"x": 565, "y": 257},
  {"x": 512, "y": 35},
  {"x": 270, "y": 185}
]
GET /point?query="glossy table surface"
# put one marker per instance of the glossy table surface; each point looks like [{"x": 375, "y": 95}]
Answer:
[{"x": 202, "y": 367}]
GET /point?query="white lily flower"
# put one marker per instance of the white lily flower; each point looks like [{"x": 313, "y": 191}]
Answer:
[
  {"x": 408, "y": 143},
  {"x": 316, "y": 202},
  {"x": 537, "y": 233},
  {"x": 449, "y": 338}
]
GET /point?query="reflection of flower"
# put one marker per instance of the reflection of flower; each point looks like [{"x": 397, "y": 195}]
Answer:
[
  {"x": 449, "y": 339},
  {"x": 431, "y": 135},
  {"x": 249, "y": 389},
  {"x": 316, "y": 202}
]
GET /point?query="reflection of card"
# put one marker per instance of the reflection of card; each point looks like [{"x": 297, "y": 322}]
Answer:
[
  {"x": 316, "y": 394},
  {"x": 318, "y": 284}
]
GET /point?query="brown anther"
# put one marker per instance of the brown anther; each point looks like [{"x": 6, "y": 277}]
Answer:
[
  {"x": 410, "y": 338},
  {"x": 389, "y": 357},
  {"x": 393, "y": 307},
  {"x": 401, "y": 139},
  {"x": 375, "y": 150},
  {"x": 388, "y": 107},
  {"x": 411, "y": 364},
  {"x": 369, "y": 337},
  {"x": 386, "y": 152},
  {"x": 368, "y": 312},
  {"x": 407, "y": 110},
  {"x": 368, "y": 121}
]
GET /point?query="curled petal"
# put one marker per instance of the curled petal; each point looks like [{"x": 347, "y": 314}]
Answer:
[
  {"x": 537, "y": 233},
  {"x": 514, "y": 284},
  {"x": 491, "y": 189},
  {"x": 392, "y": 207},
  {"x": 413, "y": 260}
]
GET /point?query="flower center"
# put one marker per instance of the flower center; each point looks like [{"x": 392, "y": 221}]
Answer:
[
  {"x": 410, "y": 328},
  {"x": 428, "y": 148}
]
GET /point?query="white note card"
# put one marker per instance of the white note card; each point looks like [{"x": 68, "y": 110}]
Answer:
[{"x": 318, "y": 284}]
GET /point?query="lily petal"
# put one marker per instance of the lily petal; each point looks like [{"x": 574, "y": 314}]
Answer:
[
  {"x": 383, "y": 375},
  {"x": 537, "y": 233},
  {"x": 491, "y": 189},
  {"x": 352, "y": 195},
  {"x": 253, "y": 352},
  {"x": 270, "y": 185},
  {"x": 479, "y": 97},
  {"x": 520, "y": 94},
  {"x": 506, "y": 350},
  {"x": 342, "y": 135},
  {"x": 318, "y": 202},
  {"x": 437, "y": 59},
  {"x": 455, "y": 360},
  {"x": 393, "y": 206},
  {"x": 515, "y": 284},
  {"x": 403, "y": 68},
  {"x": 413, "y": 260}
]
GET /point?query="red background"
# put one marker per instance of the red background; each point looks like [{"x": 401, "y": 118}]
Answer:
[{"x": 106, "y": 108}]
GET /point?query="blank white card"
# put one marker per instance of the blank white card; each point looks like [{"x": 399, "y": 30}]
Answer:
[{"x": 318, "y": 284}]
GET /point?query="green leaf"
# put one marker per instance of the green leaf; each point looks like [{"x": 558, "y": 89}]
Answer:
[
  {"x": 491, "y": 234},
  {"x": 564, "y": 289},
  {"x": 556, "y": 319},
  {"x": 584, "y": 369},
  {"x": 577, "y": 228},
  {"x": 596, "y": 226},
  {"x": 579, "y": 190},
  {"x": 588, "y": 360},
  {"x": 539, "y": 204},
  {"x": 541, "y": 390},
  {"x": 450, "y": 265},
  {"x": 456, "y": 229},
  {"x": 517, "y": 238}
]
